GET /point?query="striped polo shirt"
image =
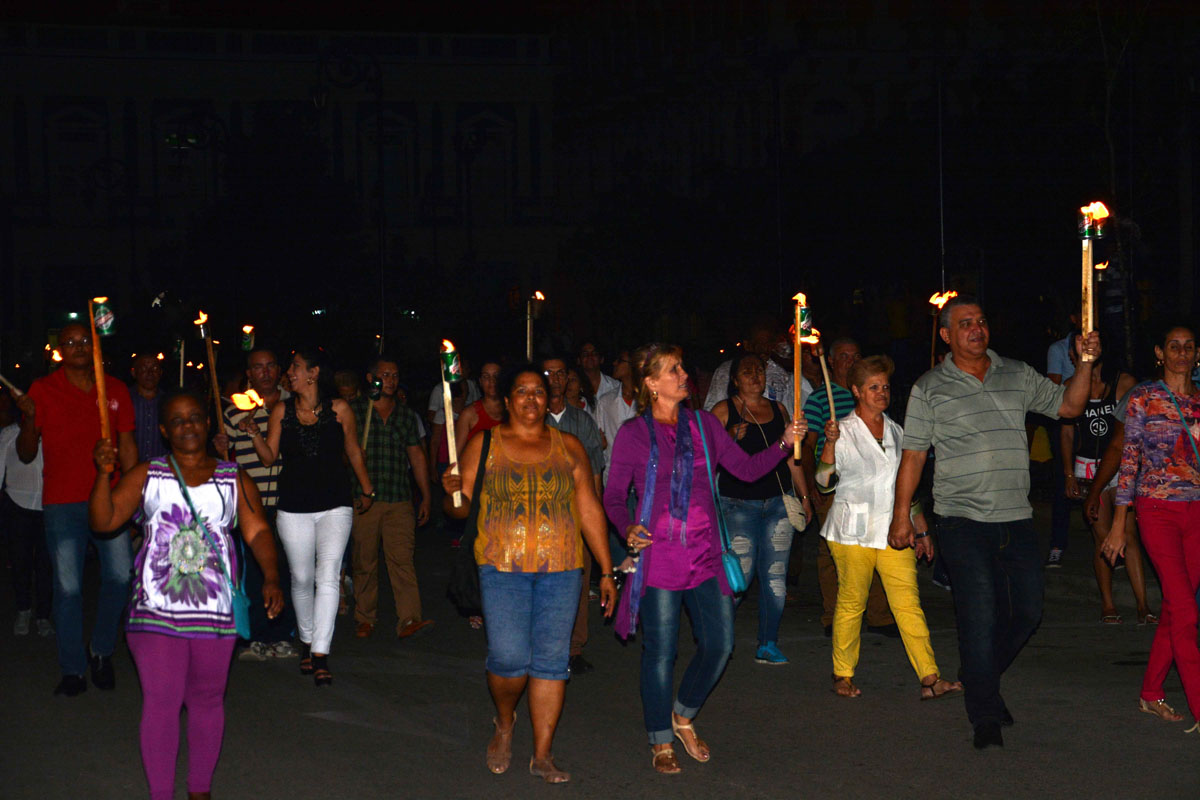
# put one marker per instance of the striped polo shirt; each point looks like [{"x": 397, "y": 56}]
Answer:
[
  {"x": 977, "y": 430},
  {"x": 816, "y": 410},
  {"x": 242, "y": 451}
]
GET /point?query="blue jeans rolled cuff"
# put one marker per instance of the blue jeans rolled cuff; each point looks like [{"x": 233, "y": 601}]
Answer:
[{"x": 529, "y": 617}]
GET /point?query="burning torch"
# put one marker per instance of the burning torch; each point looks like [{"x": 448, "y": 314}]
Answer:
[
  {"x": 206, "y": 333},
  {"x": 1091, "y": 226},
  {"x": 938, "y": 301},
  {"x": 452, "y": 373},
  {"x": 102, "y": 325}
]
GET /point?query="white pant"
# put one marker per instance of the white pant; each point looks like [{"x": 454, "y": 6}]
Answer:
[{"x": 314, "y": 544}]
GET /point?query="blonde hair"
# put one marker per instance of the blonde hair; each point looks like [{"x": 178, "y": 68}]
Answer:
[
  {"x": 864, "y": 368},
  {"x": 648, "y": 362}
]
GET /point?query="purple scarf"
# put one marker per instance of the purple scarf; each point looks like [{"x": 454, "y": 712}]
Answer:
[{"x": 681, "y": 495}]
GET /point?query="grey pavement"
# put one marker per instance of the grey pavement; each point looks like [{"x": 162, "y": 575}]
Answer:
[{"x": 412, "y": 719}]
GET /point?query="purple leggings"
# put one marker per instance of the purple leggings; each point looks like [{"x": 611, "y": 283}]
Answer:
[{"x": 176, "y": 672}]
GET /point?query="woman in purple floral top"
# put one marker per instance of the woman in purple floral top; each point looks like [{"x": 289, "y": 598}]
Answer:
[
  {"x": 1160, "y": 475},
  {"x": 181, "y": 630}
]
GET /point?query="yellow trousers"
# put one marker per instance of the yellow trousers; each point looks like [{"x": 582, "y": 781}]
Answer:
[{"x": 898, "y": 571}]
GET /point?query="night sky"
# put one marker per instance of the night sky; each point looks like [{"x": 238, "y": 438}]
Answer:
[{"x": 674, "y": 209}]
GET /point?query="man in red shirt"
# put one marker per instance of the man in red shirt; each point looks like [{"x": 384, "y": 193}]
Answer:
[{"x": 61, "y": 410}]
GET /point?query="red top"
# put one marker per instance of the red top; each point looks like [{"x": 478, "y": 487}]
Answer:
[
  {"x": 69, "y": 420},
  {"x": 483, "y": 421}
]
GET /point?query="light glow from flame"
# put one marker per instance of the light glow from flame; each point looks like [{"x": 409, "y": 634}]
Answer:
[
  {"x": 1102, "y": 265},
  {"x": 940, "y": 299},
  {"x": 1096, "y": 210},
  {"x": 160, "y": 356},
  {"x": 538, "y": 296},
  {"x": 190, "y": 364},
  {"x": 55, "y": 355},
  {"x": 447, "y": 346},
  {"x": 99, "y": 299},
  {"x": 800, "y": 298},
  {"x": 200, "y": 320},
  {"x": 247, "y": 329},
  {"x": 248, "y": 401},
  {"x": 812, "y": 338}
]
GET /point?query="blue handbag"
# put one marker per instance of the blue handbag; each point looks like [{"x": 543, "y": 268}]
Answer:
[{"x": 732, "y": 564}]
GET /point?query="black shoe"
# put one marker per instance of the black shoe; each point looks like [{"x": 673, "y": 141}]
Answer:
[
  {"x": 578, "y": 665},
  {"x": 891, "y": 631},
  {"x": 71, "y": 685},
  {"x": 102, "y": 672},
  {"x": 1006, "y": 719},
  {"x": 828, "y": 631},
  {"x": 988, "y": 734}
]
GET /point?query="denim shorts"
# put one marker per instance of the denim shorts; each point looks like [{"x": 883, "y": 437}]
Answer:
[{"x": 529, "y": 617}]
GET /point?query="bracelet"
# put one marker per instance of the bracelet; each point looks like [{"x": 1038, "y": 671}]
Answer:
[
  {"x": 604, "y": 575},
  {"x": 783, "y": 445},
  {"x": 921, "y": 535}
]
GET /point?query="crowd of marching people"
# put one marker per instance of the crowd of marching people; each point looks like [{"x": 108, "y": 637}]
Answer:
[{"x": 247, "y": 536}]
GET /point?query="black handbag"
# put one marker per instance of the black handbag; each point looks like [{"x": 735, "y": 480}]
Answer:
[{"x": 463, "y": 587}]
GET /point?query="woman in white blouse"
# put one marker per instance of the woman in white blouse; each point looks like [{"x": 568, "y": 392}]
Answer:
[{"x": 860, "y": 459}]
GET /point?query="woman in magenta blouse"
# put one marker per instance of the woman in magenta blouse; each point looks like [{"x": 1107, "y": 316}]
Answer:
[
  {"x": 661, "y": 452},
  {"x": 1160, "y": 476}
]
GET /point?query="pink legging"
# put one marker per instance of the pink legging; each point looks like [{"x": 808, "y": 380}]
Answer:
[
  {"x": 1170, "y": 532},
  {"x": 176, "y": 672}
]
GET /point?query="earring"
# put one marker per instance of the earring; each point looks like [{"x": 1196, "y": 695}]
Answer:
[
  {"x": 310, "y": 381},
  {"x": 653, "y": 395},
  {"x": 1158, "y": 362}
]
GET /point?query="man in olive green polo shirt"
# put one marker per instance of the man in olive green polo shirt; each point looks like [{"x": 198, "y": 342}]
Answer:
[{"x": 971, "y": 409}]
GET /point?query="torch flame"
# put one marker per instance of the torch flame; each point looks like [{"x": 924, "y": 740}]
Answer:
[
  {"x": 160, "y": 356},
  {"x": 940, "y": 299},
  {"x": 447, "y": 346},
  {"x": 538, "y": 296},
  {"x": 800, "y": 298},
  {"x": 203, "y": 318},
  {"x": 813, "y": 338},
  {"x": 247, "y": 329},
  {"x": 99, "y": 299},
  {"x": 55, "y": 355},
  {"x": 1102, "y": 265},
  {"x": 248, "y": 401},
  {"x": 1096, "y": 210}
]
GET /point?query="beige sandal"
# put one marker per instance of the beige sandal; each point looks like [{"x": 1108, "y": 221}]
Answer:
[
  {"x": 844, "y": 687},
  {"x": 499, "y": 751},
  {"x": 544, "y": 768},
  {"x": 929, "y": 691},
  {"x": 665, "y": 763},
  {"x": 698, "y": 749},
  {"x": 1160, "y": 709}
]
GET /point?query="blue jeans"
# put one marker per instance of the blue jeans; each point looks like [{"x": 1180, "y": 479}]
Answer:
[
  {"x": 712, "y": 623},
  {"x": 996, "y": 577},
  {"x": 529, "y": 619},
  {"x": 67, "y": 535},
  {"x": 761, "y": 536}
]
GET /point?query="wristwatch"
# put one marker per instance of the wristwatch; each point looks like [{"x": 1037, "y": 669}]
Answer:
[{"x": 921, "y": 535}]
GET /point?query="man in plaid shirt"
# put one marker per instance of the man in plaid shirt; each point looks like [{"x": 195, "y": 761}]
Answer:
[{"x": 392, "y": 444}]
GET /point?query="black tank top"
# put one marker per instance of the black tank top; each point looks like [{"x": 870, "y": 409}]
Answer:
[
  {"x": 1094, "y": 427},
  {"x": 314, "y": 476},
  {"x": 767, "y": 486}
]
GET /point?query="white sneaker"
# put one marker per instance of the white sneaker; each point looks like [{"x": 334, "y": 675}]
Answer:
[
  {"x": 44, "y": 627},
  {"x": 283, "y": 650},
  {"x": 257, "y": 651},
  {"x": 21, "y": 624}
]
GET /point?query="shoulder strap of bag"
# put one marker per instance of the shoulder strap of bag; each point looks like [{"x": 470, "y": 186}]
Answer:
[
  {"x": 1186, "y": 430},
  {"x": 208, "y": 535},
  {"x": 711, "y": 485},
  {"x": 472, "y": 524}
]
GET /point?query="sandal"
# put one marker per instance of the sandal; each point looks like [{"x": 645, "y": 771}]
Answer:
[
  {"x": 929, "y": 691},
  {"x": 499, "y": 750},
  {"x": 321, "y": 674},
  {"x": 1109, "y": 616},
  {"x": 844, "y": 687},
  {"x": 306, "y": 667},
  {"x": 1147, "y": 619},
  {"x": 697, "y": 749},
  {"x": 544, "y": 768},
  {"x": 1160, "y": 709},
  {"x": 665, "y": 763}
]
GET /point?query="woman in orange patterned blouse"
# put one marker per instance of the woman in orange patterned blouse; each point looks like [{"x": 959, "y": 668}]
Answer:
[{"x": 536, "y": 497}]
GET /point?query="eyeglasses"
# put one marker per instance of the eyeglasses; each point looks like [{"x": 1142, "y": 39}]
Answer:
[
  {"x": 557, "y": 373},
  {"x": 84, "y": 342}
]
